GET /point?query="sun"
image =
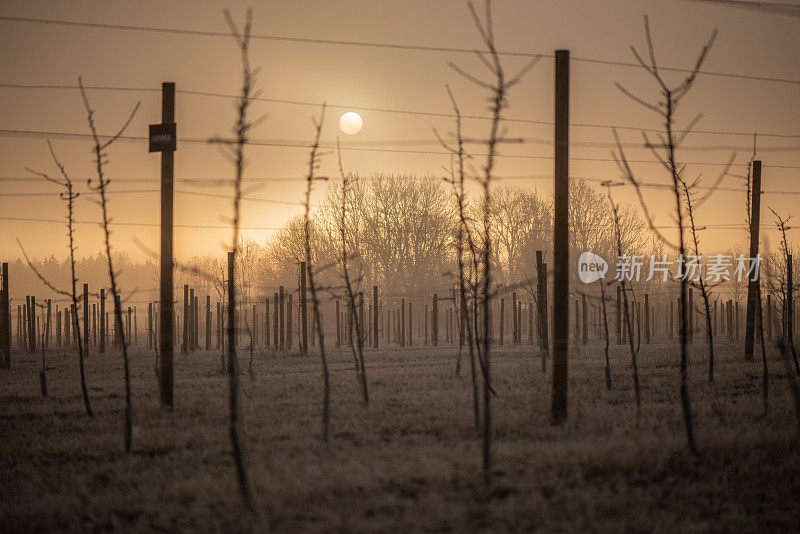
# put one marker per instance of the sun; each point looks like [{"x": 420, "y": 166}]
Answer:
[{"x": 351, "y": 123}]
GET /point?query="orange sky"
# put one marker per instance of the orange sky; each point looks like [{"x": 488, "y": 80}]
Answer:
[{"x": 353, "y": 77}]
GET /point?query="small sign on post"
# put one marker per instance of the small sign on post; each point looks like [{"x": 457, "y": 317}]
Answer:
[{"x": 163, "y": 137}]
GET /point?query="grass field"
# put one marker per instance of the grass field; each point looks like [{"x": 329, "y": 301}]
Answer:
[{"x": 409, "y": 461}]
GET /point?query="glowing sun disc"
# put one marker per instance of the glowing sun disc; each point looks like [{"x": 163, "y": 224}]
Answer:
[{"x": 351, "y": 123}]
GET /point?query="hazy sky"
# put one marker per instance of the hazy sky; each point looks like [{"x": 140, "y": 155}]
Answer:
[{"x": 351, "y": 78}]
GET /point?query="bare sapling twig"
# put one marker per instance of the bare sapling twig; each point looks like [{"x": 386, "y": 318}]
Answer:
[
  {"x": 701, "y": 284},
  {"x": 100, "y": 185},
  {"x": 233, "y": 150},
  {"x": 628, "y": 320},
  {"x": 605, "y": 330},
  {"x": 358, "y": 348},
  {"x": 68, "y": 195},
  {"x": 786, "y": 288},
  {"x": 665, "y": 151},
  {"x": 463, "y": 235},
  {"x": 42, "y": 342},
  {"x": 793, "y": 378},
  {"x": 313, "y": 165},
  {"x": 498, "y": 88}
]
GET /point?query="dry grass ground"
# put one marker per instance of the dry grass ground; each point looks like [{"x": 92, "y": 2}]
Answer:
[{"x": 410, "y": 461}]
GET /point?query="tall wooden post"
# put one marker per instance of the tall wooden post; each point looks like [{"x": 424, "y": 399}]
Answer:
[
  {"x": 561, "y": 239},
  {"x": 208, "y": 322},
  {"x": 338, "y": 325},
  {"x": 5, "y": 322},
  {"x": 752, "y": 286},
  {"x": 253, "y": 329},
  {"x": 166, "y": 312},
  {"x": 585, "y": 321},
  {"x": 186, "y": 321},
  {"x": 402, "y": 322},
  {"x": 32, "y": 325},
  {"x": 47, "y": 328},
  {"x": 219, "y": 326},
  {"x": 103, "y": 325},
  {"x": 275, "y": 316},
  {"x": 410, "y": 325},
  {"x": 375, "y": 316},
  {"x": 282, "y": 317},
  {"x": 267, "y": 324},
  {"x": 149, "y": 325},
  {"x": 361, "y": 320},
  {"x": 502, "y": 321},
  {"x": 303, "y": 310},
  {"x": 86, "y": 316},
  {"x": 789, "y": 303},
  {"x": 541, "y": 296},
  {"x": 289, "y": 315},
  {"x": 435, "y": 320}
]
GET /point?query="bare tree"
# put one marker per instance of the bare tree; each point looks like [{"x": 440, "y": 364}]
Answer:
[
  {"x": 498, "y": 89},
  {"x": 628, "y": 320},
  {"x": 465, "y": 244},
  {"x": 100, "y": 185},
  {"x": 313, "y": 165},
  {"x": 233, "y": 150},
  {"x": 605, "y": 330},
  {"x": 665, "y": 150},
  {"x": 785, "y": 288},
  {"x": 68, "y": 195},
  {"x": 358, "y": 348}
]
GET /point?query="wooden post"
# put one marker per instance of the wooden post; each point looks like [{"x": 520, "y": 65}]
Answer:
[
  {"x": 541, "y": 297},
  {"x": 192, "y": 320},
  {"x": 47, "y": 328},
  {"x": 185, "y": 343},
  {"x": 5, "y": 321},
  {"x": 647, "y": 318},
  {"x": 561, "y": 238},
  {"x": 789, "y": 303},
  {"x": 267, "y": 324},
  {"x": 402, "y": 322},
  {"x": 103, "y": 324},
  {"x": 289, "y": 315},
  {"x": 426, "y": 324},
  {"x": 166, "y": 313},
  {"x": 752, "y": 285},
  {"x": 361, "y": 320},
  {"x": 410, "y": 325},
  {"x": 515, "y": 323},
  {"x": 435, "y": 320},
  {"x": 94, "y": 324},
  {"x": 208, "y": 322},
  {"x": 502, "y": 321},
  {"x": 67, "y": 321},
  {"x": 585, "y": 322},
  {"x": 253, "y": 330},
  {"x": 375, "y": 316},
  {"x": 275, "y": 317},
  {"x": 530, "y": 322},
  {"x": 338, "y": 325},
  {"x": 32, "y": 324},
  {"x": 219, "y": 326},
  {"x": 303, "y": 310},
  {"x": 282, "y": 317},
  {"x": 195, "y": 322}
]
